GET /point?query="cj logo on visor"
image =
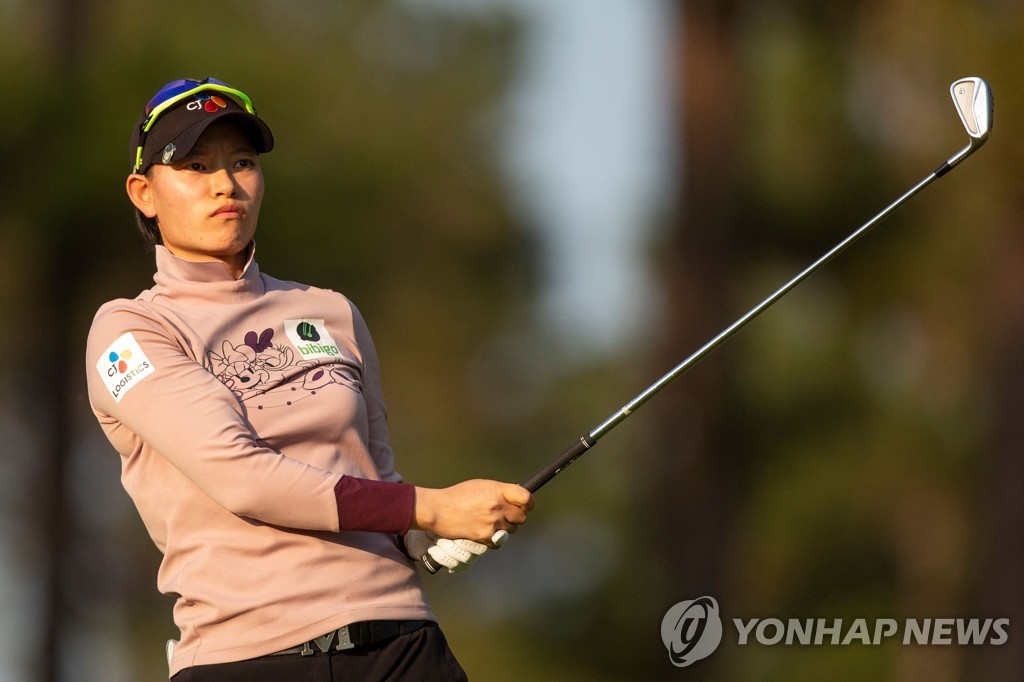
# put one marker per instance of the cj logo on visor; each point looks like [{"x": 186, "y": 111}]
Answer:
[{"x": 206, "y": 102}]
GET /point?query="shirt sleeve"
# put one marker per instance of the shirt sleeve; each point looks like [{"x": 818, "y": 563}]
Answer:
[
  {"x": 377, "y": 414},
  {"x": 147, "y": 391}
]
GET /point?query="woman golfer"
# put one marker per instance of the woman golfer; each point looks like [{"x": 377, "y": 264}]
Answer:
[{"x": 252, "y": 431}]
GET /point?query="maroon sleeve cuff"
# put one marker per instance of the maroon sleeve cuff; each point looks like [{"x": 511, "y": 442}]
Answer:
[{"x": 377, "y": 506}]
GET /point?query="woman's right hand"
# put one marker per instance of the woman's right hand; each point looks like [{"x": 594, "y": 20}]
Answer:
[{"x": 474, "y": 510}]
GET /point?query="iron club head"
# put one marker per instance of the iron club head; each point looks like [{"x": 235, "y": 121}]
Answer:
[{"x": 973, "y": 99}]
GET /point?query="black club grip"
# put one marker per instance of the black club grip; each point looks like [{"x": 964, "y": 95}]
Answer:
[
  {"x": 538, "y": 479},
  {"x": 558, "y": 464},
  {"x": 431, "y": 567}
]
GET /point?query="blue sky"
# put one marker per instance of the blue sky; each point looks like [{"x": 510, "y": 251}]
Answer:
[{"x": 589, "y": 154}]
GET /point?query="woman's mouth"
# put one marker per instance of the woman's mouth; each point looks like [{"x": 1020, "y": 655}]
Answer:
[{"x": 229, "y": 211}]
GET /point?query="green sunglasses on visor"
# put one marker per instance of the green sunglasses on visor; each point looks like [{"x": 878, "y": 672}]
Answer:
[{"x": 176, "y": 91}]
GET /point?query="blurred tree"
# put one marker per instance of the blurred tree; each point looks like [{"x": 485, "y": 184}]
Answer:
[
  {"x": 62, "y": 267},
  {"x": 691, "y": 470},
  {"x": 840, "y": 457}
]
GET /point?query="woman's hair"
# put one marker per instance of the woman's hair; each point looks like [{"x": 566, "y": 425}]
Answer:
[{"x": 148, "y": 228}]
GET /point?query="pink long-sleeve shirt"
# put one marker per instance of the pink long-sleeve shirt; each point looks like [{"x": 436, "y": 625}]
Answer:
[{"x": 237, "y": 406}]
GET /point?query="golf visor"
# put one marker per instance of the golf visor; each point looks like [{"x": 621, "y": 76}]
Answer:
[{"x": 181, "y": 110}]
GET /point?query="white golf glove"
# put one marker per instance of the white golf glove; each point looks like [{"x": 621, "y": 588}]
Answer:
[{"x": 455, "y": 555}]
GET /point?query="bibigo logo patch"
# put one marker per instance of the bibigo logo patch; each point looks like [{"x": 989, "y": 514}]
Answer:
[
  {"x": 123, "y": 365},
  {"x": 311, "y": 339}
]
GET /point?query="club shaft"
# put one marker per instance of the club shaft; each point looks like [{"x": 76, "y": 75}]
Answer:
[
  {"x": 583, "y": 443},
  {"x": 652, "y": 390}
]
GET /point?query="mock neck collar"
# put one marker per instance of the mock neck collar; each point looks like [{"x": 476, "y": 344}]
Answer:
[{"x": 205, "y": 281}]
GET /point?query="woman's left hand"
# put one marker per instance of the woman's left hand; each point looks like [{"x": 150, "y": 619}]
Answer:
[{"x": 455, "y": 555}]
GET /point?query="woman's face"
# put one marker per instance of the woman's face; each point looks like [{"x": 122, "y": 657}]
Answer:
[{"x": 207, "y": 203}]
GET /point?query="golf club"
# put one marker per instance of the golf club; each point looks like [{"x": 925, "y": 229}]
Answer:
[{"x": 973, "y": 100}]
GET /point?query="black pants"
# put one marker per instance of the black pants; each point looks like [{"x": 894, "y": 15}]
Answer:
[{"x": 419, "y": 656}]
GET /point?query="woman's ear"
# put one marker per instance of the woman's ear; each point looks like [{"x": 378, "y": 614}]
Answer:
[{"x": 140, "y": 191}]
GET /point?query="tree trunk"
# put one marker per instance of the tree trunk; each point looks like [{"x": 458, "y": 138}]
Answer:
[
  {"x": 57, "y": 305},
  {"x": 689, "y": 473},
  {"x": 1001, "y": 502}
]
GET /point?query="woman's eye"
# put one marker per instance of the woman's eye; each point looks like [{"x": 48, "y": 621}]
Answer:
[
  {"x": 195, "y": 166},
  {"x": 245, "y": 163}
]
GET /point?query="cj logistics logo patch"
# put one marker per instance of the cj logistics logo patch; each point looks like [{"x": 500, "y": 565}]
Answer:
[{"x": 123, "y": 365}]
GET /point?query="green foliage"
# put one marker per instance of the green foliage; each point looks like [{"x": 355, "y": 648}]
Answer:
[
  {"x": 856, "y": 423},
  {"x": 863, "y": 421}
]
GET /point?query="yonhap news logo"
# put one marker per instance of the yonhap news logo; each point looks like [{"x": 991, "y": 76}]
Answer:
[{"x": 692, "y": 630}]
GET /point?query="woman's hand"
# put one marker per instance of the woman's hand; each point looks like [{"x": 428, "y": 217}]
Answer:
[{"x": 474, "y": 510}]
